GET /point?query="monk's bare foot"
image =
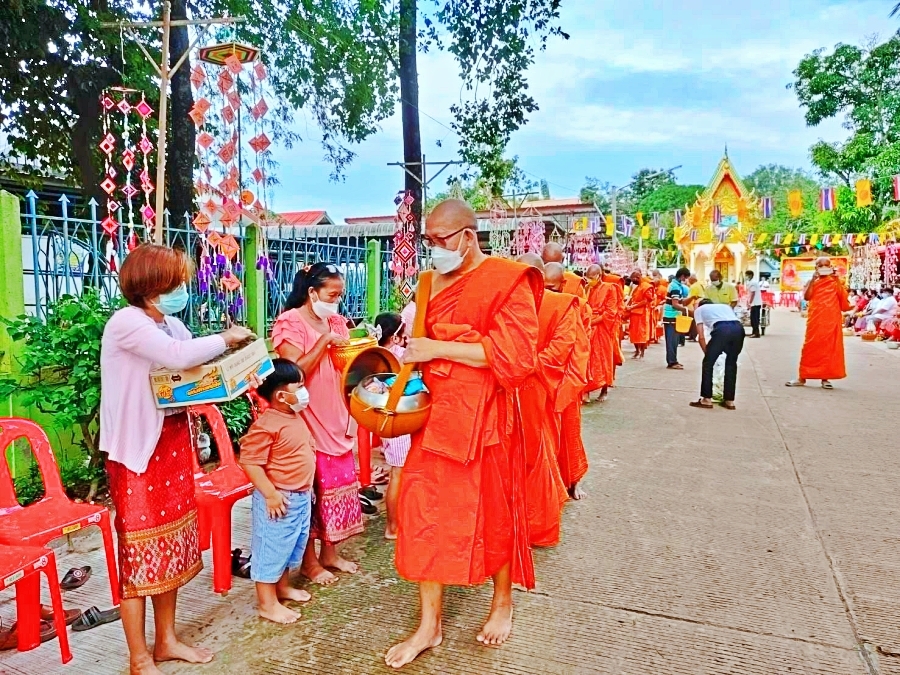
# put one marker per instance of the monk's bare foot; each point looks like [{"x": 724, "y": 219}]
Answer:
[
  {"x": 144, "y": 665},
  {"x": 407, "y": 651},
  {"x": 178, "y": 651},
  {"x": 576, "y": 492},
  {"x": 390, "y": 534},
  {"x": 318, "y": 574},
  {"x": 335, "y": 561},
  {"x": 279, "y": 613},
  {"x": 295, "y": 594},
  {"x": 498, "y": 626},
  {"x": 602, "y": 397}
]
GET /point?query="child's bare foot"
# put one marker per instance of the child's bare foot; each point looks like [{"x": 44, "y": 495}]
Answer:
[
  {"x": 318, "y": 574},
  {"x": 334, "y": 561},
  {"x": 144, "y": 665},
  {"x": 279, "y": 613},
  {"x": 407, "y": 651},
  {"x": 178, "y": 651},
  {"x": 498, "y": 626},
  {"x": 295, "y": 594}
]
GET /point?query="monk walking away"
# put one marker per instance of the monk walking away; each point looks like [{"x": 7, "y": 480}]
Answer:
[
  {"x": 481, "y": 345},
  {"x": 572, "y": 283},
  {"x": 639, "y": 308},
  {"x": 822, "y": 356},
  {"x": 603, "y": 299}
]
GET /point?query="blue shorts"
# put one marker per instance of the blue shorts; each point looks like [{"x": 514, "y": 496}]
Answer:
[{"x": 278, "y": 545}]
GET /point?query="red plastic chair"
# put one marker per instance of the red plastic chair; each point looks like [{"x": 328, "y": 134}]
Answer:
[
  {"x": 22, "y": 565},
  {"x": 55, "y": 515},
  {"x": 216, "y": 492}
]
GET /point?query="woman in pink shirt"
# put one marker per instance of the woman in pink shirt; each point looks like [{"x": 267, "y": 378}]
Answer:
[
  {"x": 148, "y": 462},
  {"x": 303, "y": 334}
]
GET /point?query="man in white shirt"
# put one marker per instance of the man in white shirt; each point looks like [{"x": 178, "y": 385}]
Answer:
[
  {"x": 719, "y": 332},
  {"x": 755, "y": 293}
]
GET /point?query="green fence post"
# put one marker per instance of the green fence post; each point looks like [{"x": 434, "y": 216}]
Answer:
[
  {"x": 373, "y": 278},
  {"x": 12, "y": 288},
  {"x": 254, "y": 285}
]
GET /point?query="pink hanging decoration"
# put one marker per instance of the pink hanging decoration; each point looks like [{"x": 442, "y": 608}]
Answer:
[
  {"x": 225, "y": 81},
  {"x": 204, "y": 140},
  {"x": 258, "y": 175},
  {"x": 259, "y": 71},
  {"x": 260, "y": 143},
  {"x": 582, "y": 248},
  {"x": 198, "y": 76},
  {"x": 404, "y": 264},
  {"x": 228, "y": 115},
  {"x": 143, "y": 108},
  {"x": 234, "y": 99},
  {"x": 234, "y": 65},
  {"x": 260, "y": 109}
]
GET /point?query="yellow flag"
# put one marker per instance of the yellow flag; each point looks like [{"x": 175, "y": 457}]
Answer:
[
  {"x": 645, "y": 232},
  {"x": 580, "y": 225},
  {"x": 795, "y": 203},
  {"x": 835, "y": 240},
  {"x": 860, "y": 239},
  {"x": 640, "y": 218},
  {"x": 761, "y": 239},
  {"x": 788, "y": 238},
  {"x": 863, "y": 192},
  {"x": 610, "y": 226}
]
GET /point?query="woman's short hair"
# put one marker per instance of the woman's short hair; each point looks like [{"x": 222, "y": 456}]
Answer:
[{"x": 151, "y": 270}]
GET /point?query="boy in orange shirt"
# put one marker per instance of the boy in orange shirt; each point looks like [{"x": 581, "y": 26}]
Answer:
[{"x": 278, "y": 454}]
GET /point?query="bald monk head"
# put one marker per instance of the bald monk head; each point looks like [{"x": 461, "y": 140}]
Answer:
[
  {"x": 451, "y": 232},
  {"x": 552, "y": 253},
  {"x": 532, "y": 260},
  {"x": 593, "y": 274},
  {"x": 636, "y": 277},
  {"x": 553, "y": 277},
  {"x": 824, "y": 263},
  {"x": 656, "y": 275}
]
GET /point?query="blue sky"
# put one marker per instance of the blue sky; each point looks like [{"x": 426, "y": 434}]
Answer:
[{"x": 639, "y": 84}]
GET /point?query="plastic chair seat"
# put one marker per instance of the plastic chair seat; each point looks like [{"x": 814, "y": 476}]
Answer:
[
  {"x": 39, "y": 523},
  {"x": 20, "y": 566},
  {"x": 227, "y": 483}
]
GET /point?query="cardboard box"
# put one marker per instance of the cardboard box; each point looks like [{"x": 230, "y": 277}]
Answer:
[{"x": 222, "y": 379}]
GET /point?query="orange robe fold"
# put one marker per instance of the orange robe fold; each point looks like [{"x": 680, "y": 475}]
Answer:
[
  {"x": 545, "y": 490},
  {"x": 662, "y": 292},
  {"x": 573, "y": 464},
  {"x": 462, "y": 504},
  {"x": 619, "y": 285},
  {"x": 822, "y": 356},
  {"x": 574, "y": 285},
  {"x": 639, "y": 313},
  {"x": 604, "y": 304}
]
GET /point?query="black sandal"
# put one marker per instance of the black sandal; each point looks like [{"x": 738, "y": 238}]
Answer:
[
  {"x": 93, "y": 617},
  {"x": 75, "y": 578},
  {"x": 240, "y": 565},
  {"x": 367, "y": 506},
  {"x": 371, "y": 493}
]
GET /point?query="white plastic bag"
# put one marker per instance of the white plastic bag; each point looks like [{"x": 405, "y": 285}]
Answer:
[{"x": 719, "y": 378}]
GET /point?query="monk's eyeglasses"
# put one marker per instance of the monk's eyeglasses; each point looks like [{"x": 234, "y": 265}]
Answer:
[{"x": 431, "y": 240}]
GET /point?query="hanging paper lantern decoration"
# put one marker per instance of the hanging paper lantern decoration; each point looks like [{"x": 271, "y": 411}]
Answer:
[
  {"x": 404, "y": 263},
  {"x": 498, "y": 234}
]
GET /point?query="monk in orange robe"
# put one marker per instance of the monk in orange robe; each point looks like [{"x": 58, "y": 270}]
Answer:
[
  {"x": 639, "y": 309},
  {"x": 661, "y": 288},
  {"x": 573, "y": 464},
  {"x": 619, "y": 286},
  {"x": 822, "y": 357},
  {"x": 545, "y": 490},
  {"x": 604, "y": 304},
  {"x": 461, "y": 510},
  {"x": 572, "y": 283}
]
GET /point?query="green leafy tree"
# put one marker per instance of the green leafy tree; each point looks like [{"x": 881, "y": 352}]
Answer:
[
  {"x": 59, "y": 370},
  {"x": 776, "y": 181}
]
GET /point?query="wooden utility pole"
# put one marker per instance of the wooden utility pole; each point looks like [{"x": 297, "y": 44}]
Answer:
[{"x": 165, "y": 73}]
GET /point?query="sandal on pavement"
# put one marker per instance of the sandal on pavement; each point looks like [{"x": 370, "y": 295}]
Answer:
[
  {"x": 70, "y": 614},
  {"x": 75, "y": 578},
  {"x": 371, "y": 493},
  {"x": 9, "y": 639},
  {"x": 728, "y": 405},
  {"x": 379, "y": 476},
  {"x": 675, "y": 366},
  {"x": 93, "y": 617},
  {"x": 700, "y": 404},
  {"x": 794, "y": 383},
  {"x": 827, "y": 385},
  {"x": 367, "y": 506},
  {"x": 240, "y": 565}
]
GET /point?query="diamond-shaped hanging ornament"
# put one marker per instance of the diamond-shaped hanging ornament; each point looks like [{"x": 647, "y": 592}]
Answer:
[
  {"x": 260, "y": 143},
  {"x": 227, "y": 220},
  {"x": 201, "y": 222},
  {"x": 229, "y": 246},
  {"x": 204, "y": 140},
  {"x": 258, "y": 206},
  {"x": 214, "y": 238},
  {"x": 129, "y": 191},
  {"x": 112, "y": 206},
  {"x": 147, "y": 212},
  {"x": 228, "y": 115},
  {"x": 111, "y": 171},
  {"x": 259, "y": 70},
  {"x": 231, "y": 208},
  {"x": 198, "y": 117},
  {"x": 226, "y": 152},
  {"x": 202, "y": 104},
  {"x": 143, "y": 108},
  {"x": 145, "y": 146},
  {"x": 408, "y": 199},
  {"x": 108, "y": 185},
  {"x": 124, "y": 106},
  {"x": 108, "y": 144},
  {"x": 198, "y": 76},
  {"x": 258, "y": 175},
  {"x": 230, "y": 283},
  {"x": 109, "y": 225},
  {"x": 233, "y": 173},
  {"x": 225, "y": 81},
  {"x": 128, "y": 159},
  {"x": 234, "y": 65},
  {"x": 210, "y": 206},
  {"x": 107, "y": 102},
  {"x": 234, "y": 99},
  {"x": 260, "y": 109}
]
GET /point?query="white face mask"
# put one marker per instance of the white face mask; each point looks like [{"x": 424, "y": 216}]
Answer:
[
  {"x": 717, "y": 284},
  {"x": 825, "y": 271},
  {"x": 324, "y": 310},
  {"x": 445, "y": 261},
  {"x": 302, "y": 400}
]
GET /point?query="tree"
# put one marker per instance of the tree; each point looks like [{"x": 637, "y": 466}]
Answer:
[{"x": 863, "y": 85}]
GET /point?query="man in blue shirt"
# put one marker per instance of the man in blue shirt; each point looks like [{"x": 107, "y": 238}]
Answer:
[{"x": 677, "y": 294}]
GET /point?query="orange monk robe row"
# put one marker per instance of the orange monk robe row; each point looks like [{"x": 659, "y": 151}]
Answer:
[
  {"x": 639, "y": 311},
  {"x": 572, "y": 457},
  {"x": 462, "y": 498},
  {"x": 619, "y": 285},
  {"x": 604, "y": 303},
  {"x": 822, "y": 357},
  {"x": 574, "y": 285},
  {"x": 545, "y": 490}
]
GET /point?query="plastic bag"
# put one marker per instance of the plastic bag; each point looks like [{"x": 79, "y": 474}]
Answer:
[{"x": 719, "y": 378}]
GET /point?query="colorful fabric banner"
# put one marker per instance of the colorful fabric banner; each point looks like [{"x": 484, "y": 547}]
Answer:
[
  {"x": 717, "y": 214},
  {"x": 897, "y": 188},
  {"x": 788, "y": 238},
  {"x": 762, "y": 237},
  {"x": 777, "y": 239},
  {"x": 610, "y": 226},
  {"x": 801, "y": 239},
  {"x": 795, "y": 203},
  {"x": 768, "y": 207},
  {"x": 863, "y": 192},
  {"x": 661, "y": 233},
  {"x": 750, "y": 237},
  {"x": 679, "y": 215},
  {"x": 813, "y": 240},
  {"x": 827, "y": 199},
  {"x": 645, "y": 231}
]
